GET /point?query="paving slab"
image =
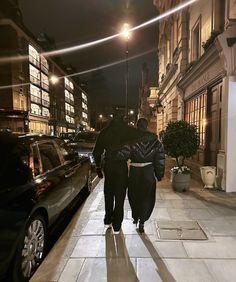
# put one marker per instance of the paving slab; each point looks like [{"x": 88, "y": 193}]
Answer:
[{"x": 87, "y": 251}]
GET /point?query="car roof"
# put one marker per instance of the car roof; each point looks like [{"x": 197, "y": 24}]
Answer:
[{"x": 25, "y": 138}]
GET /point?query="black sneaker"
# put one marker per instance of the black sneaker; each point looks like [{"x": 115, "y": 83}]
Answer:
[
  {"x": 141, "y": 228},
  {"x": 107, "y": 221},
  {"x": 116, "y": 229},
  {"x": 135, "y": 221}
]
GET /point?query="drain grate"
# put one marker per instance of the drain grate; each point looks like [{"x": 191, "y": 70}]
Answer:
[{"x": 180, "y": 230}]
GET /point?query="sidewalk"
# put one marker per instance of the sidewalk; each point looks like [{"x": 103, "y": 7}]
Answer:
[{"x": 87, "y": 251}]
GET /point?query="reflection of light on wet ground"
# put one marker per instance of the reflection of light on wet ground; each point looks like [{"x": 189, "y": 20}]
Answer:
[{"x": 102, "y": 40}]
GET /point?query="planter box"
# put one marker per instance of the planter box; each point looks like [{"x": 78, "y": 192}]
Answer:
[{"x": 180, "y": 182}]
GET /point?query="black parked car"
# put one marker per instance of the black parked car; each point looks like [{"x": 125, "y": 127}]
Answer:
[
  {"x": 83, "y": 143},
  {"x": 67, "y": 136},
  {"x": 39, "y": 179}
]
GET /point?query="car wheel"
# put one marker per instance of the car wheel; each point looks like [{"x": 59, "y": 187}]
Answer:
[
  {"x": 31, "y": 249},
  {"x": 89, "y": 182}
]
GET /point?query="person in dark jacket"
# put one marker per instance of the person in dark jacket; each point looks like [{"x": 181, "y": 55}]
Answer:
[
  {"x": 147, "y": 164},
  {"x": 113, "y": 136}
]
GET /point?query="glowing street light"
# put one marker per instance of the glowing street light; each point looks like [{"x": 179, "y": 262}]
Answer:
[
  {"x": 54, "y": 79},
  {"x": 126, "y": 33},
  {"x": 131, "y": 112},
  {"x": 100, "y": 116}
]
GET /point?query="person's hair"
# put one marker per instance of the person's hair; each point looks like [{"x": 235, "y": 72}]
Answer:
[{"x": 142, "y": 124}]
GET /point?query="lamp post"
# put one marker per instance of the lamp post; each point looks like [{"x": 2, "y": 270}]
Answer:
[
  {"x": 54, "y": 80},
  {"x": 126, "y": 34}
]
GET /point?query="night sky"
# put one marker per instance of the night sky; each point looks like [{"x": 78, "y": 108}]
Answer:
[{"x": 73, "y": 22}]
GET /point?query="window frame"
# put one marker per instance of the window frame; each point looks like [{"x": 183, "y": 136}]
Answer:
[{"x": 198, "y": 24}]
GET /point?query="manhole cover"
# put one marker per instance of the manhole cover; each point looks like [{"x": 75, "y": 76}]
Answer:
[{"x": 180, "y": 230}]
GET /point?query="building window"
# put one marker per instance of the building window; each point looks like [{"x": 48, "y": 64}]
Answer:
[
  {"x": 196, "y": 41},
  {"x": 34, "y": 56},
  {"x": 45, "y": 112},
  {"x": 84, "y": 96},
  {"x": 71, "y": 85},
  {"x": 34, "y": 90},
  {"x": 44, "y": 65},
  {"x": 195, "y": 113},
  {"x": 84, "y": 115},
  {"x": 84, "y": 106},
  {"x": 44, "y": 81},
  {"x": 45, "y": 99},
  {"x": 35, "y": 109},
  {"x": 34, "y": 75}
]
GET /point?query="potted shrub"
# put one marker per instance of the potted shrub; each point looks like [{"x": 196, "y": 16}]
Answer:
[{"x": 181, "y": 141}]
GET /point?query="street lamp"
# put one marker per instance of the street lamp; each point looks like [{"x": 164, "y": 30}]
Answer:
[
  {"x": 126, "y": 33},
  {"x": 54, "y": 79},
  {"x": 53, "y": 104}
]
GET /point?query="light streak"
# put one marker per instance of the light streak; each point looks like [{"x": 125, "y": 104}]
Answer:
[
  {"x": 99, "y": 41},
  {"x": 82, "y": 72}
]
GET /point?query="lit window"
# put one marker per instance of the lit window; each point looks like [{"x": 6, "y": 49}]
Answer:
[
  {"x": 45, "y": 112},
  {"x": 33, "y": 55},
  {"x": 195, "y": 113},
  {"x": 45, "y": 81},
  {"x": 84, "y": 106},
  {"x": 71, "y": 97},
  {"x": 84, "y": 96},
  {"x": 35, "y": 109},
  {"x": 67, "y": 82},
  {"x": 44, "y": 63},
  {"x": 71, "y": 85},
  {"x": 35, "y": 91},
  {"x": 34, "y": 75},
  {"x": 84, "y": 115}
]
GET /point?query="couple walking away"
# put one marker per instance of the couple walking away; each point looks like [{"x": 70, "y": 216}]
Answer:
[{"x": 120, "y": 143}]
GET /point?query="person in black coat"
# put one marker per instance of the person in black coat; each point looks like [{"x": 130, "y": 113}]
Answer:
[
  {"x": 113, "y": 136},
  {"x": 147, "y": 164}
]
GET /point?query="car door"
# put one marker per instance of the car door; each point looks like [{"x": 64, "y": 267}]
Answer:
[
  {"x": 54, "y": 185},
  {"x": 79, "y": 166}
]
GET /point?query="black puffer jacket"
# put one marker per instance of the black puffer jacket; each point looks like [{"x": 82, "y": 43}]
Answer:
[{"x": 146, "y": 149}]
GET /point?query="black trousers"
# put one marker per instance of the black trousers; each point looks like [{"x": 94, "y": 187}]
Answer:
[
  {"x": 142, "y": 192},
  {"x": 116, "y": 180}
]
